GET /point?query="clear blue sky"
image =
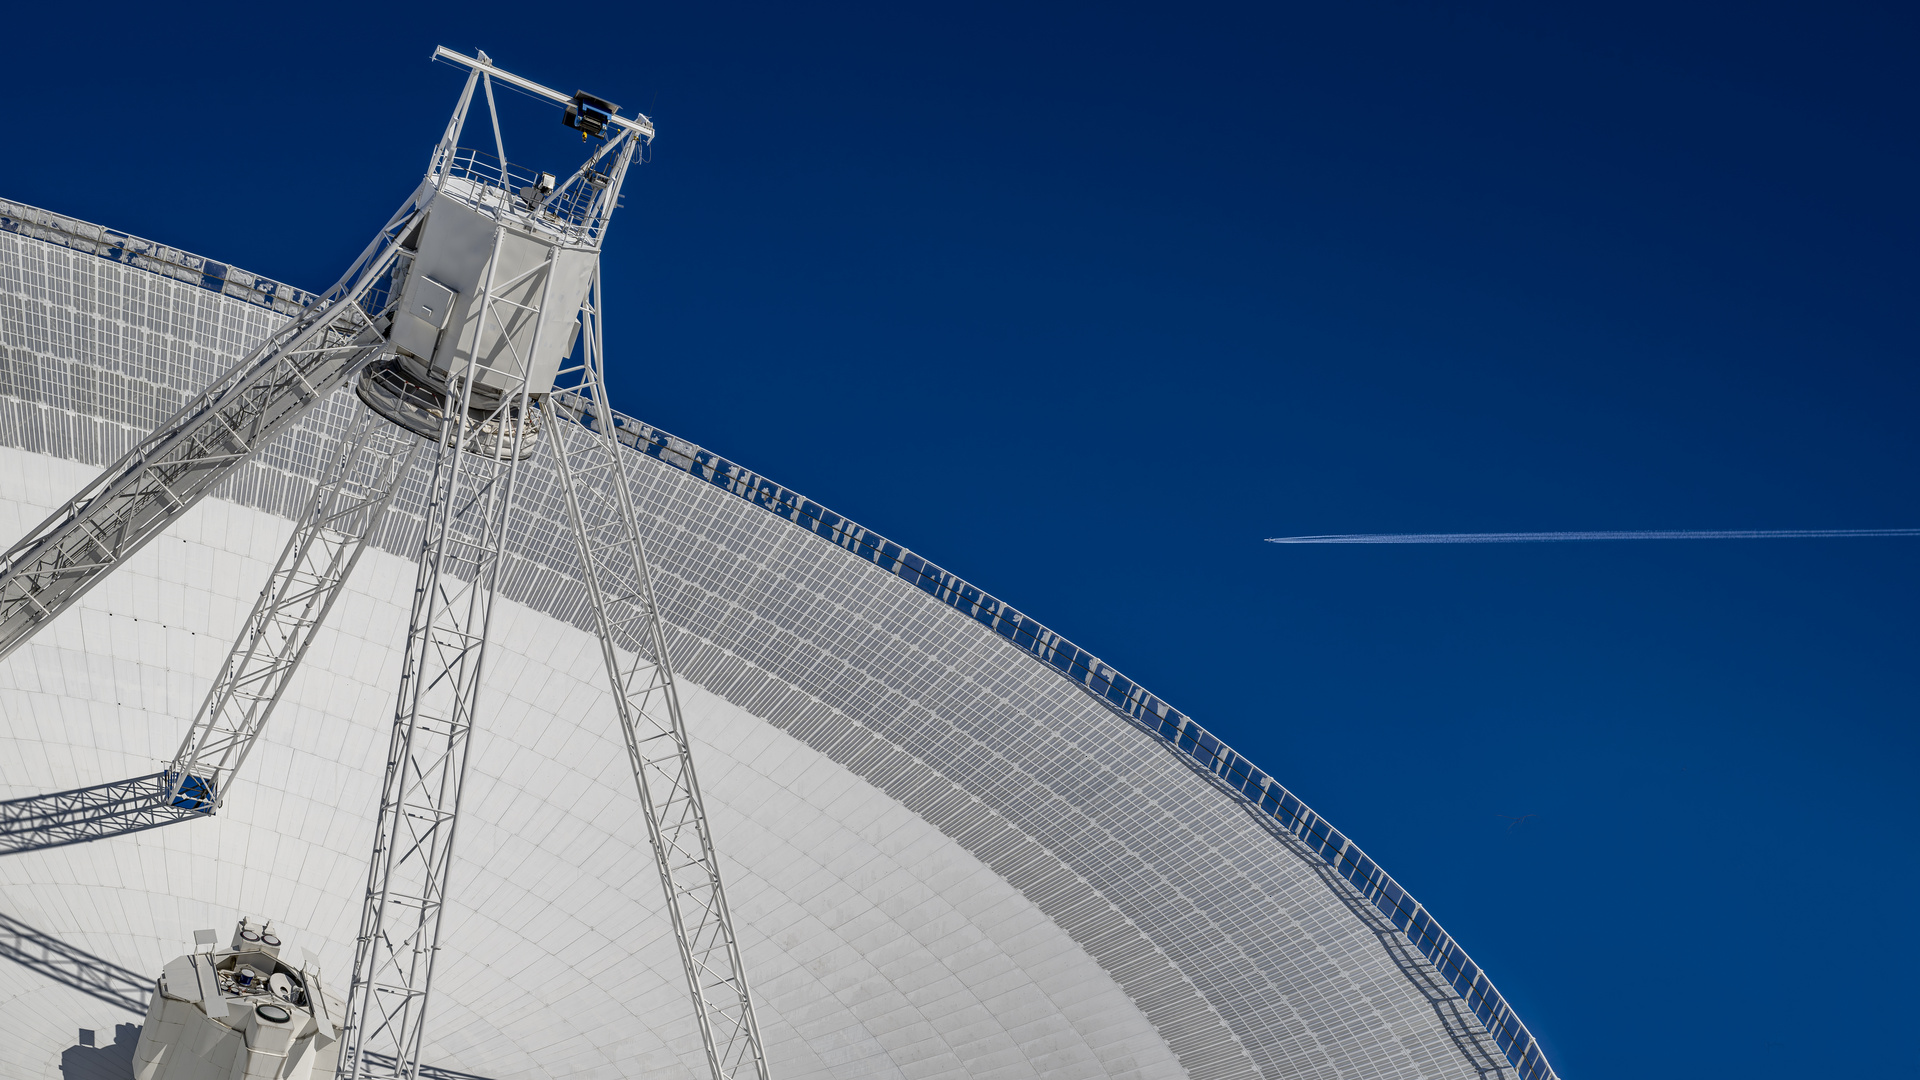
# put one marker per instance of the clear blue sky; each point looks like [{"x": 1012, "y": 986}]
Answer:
[{"x": 1082, "y": 303}]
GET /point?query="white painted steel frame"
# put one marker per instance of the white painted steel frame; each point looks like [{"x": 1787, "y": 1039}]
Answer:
[
  {"x": 361, "y": 477},
  {"x": 591, "y": 464},
  {"x": 1237, "y": 778}
]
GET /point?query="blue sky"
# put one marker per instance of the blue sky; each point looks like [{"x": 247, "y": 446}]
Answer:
[{"x": 1083, "y": 302}]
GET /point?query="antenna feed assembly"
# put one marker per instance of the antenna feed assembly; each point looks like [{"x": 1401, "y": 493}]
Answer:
[
  {"x": 589, "y": 115},
  {"x": 488, "y": 310},
  {"x": 492, "y": 277}
]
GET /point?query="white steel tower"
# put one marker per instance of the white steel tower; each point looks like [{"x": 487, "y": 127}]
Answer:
[{"x": 471, "y": 327}]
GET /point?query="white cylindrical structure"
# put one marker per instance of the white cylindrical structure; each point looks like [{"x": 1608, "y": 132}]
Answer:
[{"x": 239, "y": 1014}]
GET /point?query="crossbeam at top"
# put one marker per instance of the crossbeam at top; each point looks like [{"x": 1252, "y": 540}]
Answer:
[{"x": 638, "y": 124}]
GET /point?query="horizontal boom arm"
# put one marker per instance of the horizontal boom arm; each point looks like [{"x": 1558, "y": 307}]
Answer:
[{"x": 640, "y": 124}]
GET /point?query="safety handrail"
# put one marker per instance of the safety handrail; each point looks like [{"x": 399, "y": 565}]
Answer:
[{"x": 1232, "y": 772}]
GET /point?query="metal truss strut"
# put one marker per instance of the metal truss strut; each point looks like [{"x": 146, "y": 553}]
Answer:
[
  {"x": 366, "y": 469},
  {"x": 89, "y": 813},
  {"x": 620, "y": 588},
  {"x": 175, "y": 466},
  {"x": 469, "y": 504}
]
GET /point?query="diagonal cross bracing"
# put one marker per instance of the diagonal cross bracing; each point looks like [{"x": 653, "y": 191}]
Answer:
[
  {"x": 620, "y": 590},
  {"x": 364, "y": 472}
]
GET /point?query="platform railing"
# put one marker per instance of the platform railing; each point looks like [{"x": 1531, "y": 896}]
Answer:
[
  {"x": 1203, "y": 750},
  {"x": 569, "y": 208}
]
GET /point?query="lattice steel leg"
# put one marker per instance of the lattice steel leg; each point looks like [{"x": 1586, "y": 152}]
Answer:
[
  {"x": 359, "y": 483},
  {"x": 468, "y": 512},
  {"x": 593, "y": 477}
]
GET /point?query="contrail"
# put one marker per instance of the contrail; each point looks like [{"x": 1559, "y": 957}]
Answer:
[{"x": 1562, "y": 537}]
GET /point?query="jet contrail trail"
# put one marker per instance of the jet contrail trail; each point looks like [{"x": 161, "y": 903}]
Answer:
[{"x": 1562, "y": 537}]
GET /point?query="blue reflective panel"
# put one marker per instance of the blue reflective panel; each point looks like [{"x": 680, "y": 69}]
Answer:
[
  {"x": 196, "y": 793},
  {"x": 1062, "y": 656}
]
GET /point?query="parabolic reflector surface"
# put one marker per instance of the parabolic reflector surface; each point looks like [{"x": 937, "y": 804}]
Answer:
[{"x": 957, "y": 845}]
